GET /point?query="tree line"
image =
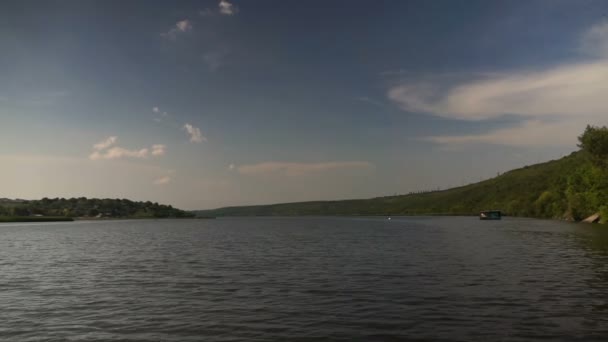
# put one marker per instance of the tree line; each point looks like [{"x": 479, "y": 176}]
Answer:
[{"x": 90, "y": 207}]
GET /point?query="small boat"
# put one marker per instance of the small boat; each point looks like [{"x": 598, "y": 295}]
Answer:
[{"x": 490, "y": 215}]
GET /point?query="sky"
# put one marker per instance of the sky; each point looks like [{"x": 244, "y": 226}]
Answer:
[{"x": 204, "y": 104}]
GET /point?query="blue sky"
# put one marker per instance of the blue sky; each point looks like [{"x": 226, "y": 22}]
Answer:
[{"x": 202, "y": 104}]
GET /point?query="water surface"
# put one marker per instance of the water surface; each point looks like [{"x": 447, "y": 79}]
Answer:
[{"x": 304, "y": 279}]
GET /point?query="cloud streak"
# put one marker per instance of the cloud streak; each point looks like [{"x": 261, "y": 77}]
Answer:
[
  {"x": 195, "y": 133},
  {"x": 162, "y": 180},
  {"x": 560, "y": 100},
  {"x": 227, "y": 8},
  {"x": 180, "y": 27},
  {"x": 158, "y": 150},
  {"x": 106, "y": 149},
  {"x": 569, "y": 90},
  {"x": 102, "y": 145},
  {"x": 161, "y": 116},
  {"x": 119, "y": 152},
  {"x": 528, "y": 133},
  {"x": 594, "y": 42},
  {"x": 299, "y": 169}
]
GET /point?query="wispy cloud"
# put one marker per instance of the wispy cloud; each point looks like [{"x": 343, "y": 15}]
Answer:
[
  {"x": 298, "y": 169},
  {"x": 555, "y": 99},
  {"x": 180, "y": 27},
  {"x": 370, "y": 101},
  {"x": 224, "y": 7},
  {"x": 106, "y": 149},
  {"x": 161, "y": 116},
  {"x": 214, "y": 59},
  {"x": 227, "y": 8},
  {"x": 528, "y": 133},
  {"x": 102, "y": 145},
  {"x": 118, "y": 152},
  {"x": 158, "y": 150},
  {"x": 594, "y": 42},
  {"x": 195, "y": 133},
  {"x": 566, "y": 90},
  {"x": 231, "y": 167},
  {"x": 207, "y": 12},
  {"x": 184, "y": 25},
  {"x": 162, "y": 180}
]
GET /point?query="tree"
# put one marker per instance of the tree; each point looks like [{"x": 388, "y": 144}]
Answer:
[
  {"x": 594, "y": 142},
  {"x": 20, "y": 211}
]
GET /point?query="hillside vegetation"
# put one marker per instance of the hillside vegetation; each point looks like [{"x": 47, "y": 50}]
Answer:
[
  {"x": 86, "y": 207},
  {"x": 571, "y": 188}
]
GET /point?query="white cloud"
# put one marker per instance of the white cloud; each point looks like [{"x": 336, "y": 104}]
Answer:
[
  {"x": 553, "y": 104},
  {"x": 195, "y": 133},
  {"x": 231, "y": 167},
  {"x": 119, "y": 152},
  {"x": 298, "y": 169},
  {"x": 155, "y": 109},
  {"x": 162, "y": 180},
  {"x": 224, "y": 7},
  {"x": 184, "y": 25},
  {"x": 568, "y": 90},
  {"x": 227, "y": 8},
  {"x": 105, "y": 149},
  {"x": 529, "y": 133},
  {"x": 158, "y": 150},
  {"x": 180, "y": 27},
  {"x": 102, "y": 145}
]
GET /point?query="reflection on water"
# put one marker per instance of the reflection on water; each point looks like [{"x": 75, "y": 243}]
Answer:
[{"x": 285, "y": 279}]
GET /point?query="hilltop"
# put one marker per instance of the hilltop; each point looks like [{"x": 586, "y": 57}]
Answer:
[{"x": 570, "y": 188}]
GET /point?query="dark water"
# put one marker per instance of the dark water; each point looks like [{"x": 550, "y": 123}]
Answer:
[{"x": 304, "y": 279}]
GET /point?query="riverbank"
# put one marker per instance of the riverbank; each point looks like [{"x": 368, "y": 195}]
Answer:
[
  {"x": 118, "y": 218},
  {"x": 35, "y": 219}
]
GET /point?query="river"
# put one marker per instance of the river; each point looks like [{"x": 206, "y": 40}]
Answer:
[{"x": 304, "y": 279}]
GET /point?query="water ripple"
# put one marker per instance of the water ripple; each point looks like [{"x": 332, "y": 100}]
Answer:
[{"x": 304, "y": 279}]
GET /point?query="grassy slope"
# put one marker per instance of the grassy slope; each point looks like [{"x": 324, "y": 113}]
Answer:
[{"x": 516, "y": 192}]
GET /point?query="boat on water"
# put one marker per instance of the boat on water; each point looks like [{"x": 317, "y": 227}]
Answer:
[{"x": 490, "y": 215}]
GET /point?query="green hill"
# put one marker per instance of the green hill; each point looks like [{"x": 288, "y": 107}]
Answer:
[{"x": 572, "y": 188}]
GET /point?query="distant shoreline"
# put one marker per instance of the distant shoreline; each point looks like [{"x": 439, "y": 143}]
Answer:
[
  {"x": 118, "y": 218},
  {"x": 9, "y": 219},
  {"x": 35, "y": 219}
]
